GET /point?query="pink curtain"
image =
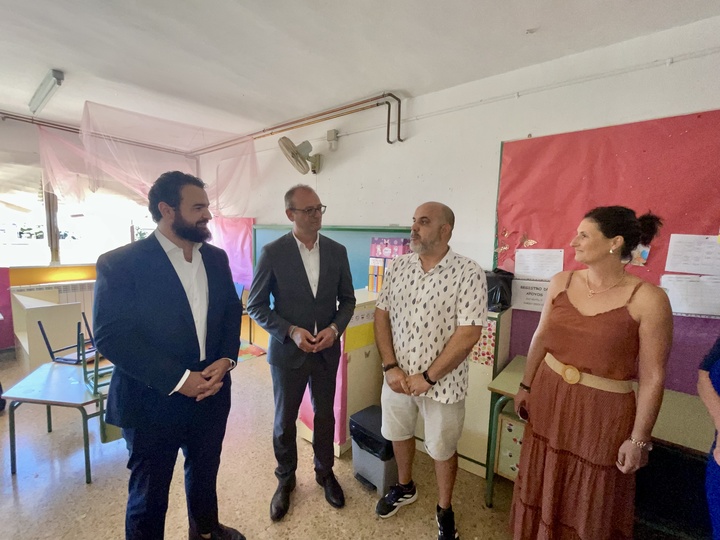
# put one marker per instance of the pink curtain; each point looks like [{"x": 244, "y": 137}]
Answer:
[
  {"x": 62, "y": 159},
  {"x": 234, "y": 235},
  {"x": 128, "y": 151}
]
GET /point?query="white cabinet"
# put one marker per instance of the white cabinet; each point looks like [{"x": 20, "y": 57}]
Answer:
[{"x": 510, "y": 438}]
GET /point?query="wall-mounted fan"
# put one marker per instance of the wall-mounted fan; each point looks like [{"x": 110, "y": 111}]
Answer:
[{"x": 300, "y": 156}]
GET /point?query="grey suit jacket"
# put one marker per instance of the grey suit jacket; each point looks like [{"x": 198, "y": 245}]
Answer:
[{"x": 280, "y": 272}]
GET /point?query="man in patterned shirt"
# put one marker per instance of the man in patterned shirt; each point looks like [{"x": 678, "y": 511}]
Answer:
[{"x": 430, "y": 313}]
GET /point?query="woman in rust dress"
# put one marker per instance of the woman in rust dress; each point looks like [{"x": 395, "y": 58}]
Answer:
[{"x": 587, "y": 431}]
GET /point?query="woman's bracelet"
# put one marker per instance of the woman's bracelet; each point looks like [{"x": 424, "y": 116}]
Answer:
[
  {"x": 643, "y": 445},
  {"x": 524, "y": 387}
]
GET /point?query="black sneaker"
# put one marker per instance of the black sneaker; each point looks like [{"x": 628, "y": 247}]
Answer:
[
  {"x": 397, "y": 496},
  {"x": 446, "y": 524}
]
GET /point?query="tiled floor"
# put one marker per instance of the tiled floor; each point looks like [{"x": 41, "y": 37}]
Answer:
[{"x": 48, "y": 498}]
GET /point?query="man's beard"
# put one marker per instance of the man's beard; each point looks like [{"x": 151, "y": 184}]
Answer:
[
  {"x": 187, "y": 231},
  {"x": 420, "y": 247}
]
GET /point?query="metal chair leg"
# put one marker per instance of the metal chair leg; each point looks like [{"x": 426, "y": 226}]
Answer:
[
  {"x": 492, "y": 447},
  {"x": 13, "y": 459},
  {"x": 86, "y": 445}
]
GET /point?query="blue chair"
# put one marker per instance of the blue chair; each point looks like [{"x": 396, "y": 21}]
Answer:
[{"x": 69, "y": 354}]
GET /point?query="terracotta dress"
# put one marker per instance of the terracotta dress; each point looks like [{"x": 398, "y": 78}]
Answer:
[{"x": 568, "y": 486}]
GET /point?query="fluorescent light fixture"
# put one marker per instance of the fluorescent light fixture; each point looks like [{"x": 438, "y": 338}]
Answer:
[{"x": 45, "y": 91}]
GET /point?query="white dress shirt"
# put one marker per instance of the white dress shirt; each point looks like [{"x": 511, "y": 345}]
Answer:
[
  {"x": 194, "y": 281},
  {"x": 311, "y": 262}
]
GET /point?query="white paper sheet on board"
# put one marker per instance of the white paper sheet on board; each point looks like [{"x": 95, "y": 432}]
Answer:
[
  {"x": 529, "y": 295},
  {"x": 697, "y": 295},
  {"x": 693, "y": 254},
  {"x": 538, "y": 263}
]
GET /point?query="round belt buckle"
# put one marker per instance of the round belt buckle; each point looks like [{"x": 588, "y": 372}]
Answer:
[{"x": 571, "y": 375}]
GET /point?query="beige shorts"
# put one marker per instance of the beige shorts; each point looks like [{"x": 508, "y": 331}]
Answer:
[{"x": 443, "y": 422}]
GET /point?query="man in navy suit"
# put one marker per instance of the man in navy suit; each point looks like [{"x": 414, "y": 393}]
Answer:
[
  {"x": 308, "y": 277},
  {"x": 168, "y": 317}
]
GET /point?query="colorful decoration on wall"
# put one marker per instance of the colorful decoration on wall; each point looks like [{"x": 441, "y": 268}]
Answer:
[{"x": 484, "y": 350}]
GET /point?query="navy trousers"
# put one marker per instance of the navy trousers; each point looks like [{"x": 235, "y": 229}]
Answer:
[
  {"x": 712, "y": 490},
  {"x": 153, "y": 452},
  {"x": 288, "y": 388}
]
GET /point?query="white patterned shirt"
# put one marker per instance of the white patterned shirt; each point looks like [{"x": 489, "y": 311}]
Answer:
[{"x": 426, "y": 308}]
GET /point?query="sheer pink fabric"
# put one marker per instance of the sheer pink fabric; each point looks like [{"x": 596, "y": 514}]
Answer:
[
  {"x": 62, "y": 159},
  {"x": 117, "y": 147},
  {"x": 234, "y": 235}
]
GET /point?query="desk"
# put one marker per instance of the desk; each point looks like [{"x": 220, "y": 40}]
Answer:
[
  {"x": 683, "y": 420},
  {"x": 58, "y": 385},
  {"x": 503, "y": 387}
]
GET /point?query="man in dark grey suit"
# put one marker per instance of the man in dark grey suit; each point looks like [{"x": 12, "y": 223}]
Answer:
[{"x": 308, "y": 276}]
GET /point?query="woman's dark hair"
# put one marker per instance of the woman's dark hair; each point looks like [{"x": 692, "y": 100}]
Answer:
[
  {"x": 167, "y": 188},
  {"x": 620, "y": 221}
]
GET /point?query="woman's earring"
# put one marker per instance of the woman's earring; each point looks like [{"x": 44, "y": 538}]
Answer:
[{"x": 611, "y": 250}]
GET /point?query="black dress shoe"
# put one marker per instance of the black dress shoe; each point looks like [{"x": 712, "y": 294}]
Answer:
[
  {"x": 333, "y": 492},
  {"x": 280, "y": 503},
  {"x": 221, "y": 532}
]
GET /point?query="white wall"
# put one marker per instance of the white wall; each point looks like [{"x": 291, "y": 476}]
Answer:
[{"x": 452, "y": 152}]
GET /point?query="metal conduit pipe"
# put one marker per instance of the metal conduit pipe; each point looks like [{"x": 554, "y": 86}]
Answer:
[
  {"x": 72, "y": 129},
  {"x": 330, "y": 114},
  {"x": 337, "y": 112},
  {"x": 316, "y": 121}
]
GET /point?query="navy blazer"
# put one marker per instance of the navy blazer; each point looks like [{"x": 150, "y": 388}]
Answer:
[
  {"x": 144, "y": 325},
  {"x": 280, "y": 272}
]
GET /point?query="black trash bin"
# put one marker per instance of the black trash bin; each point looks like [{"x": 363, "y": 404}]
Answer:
[{"x": 373, "y": 458}]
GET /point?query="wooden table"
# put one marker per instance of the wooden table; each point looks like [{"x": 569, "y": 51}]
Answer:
[
  {"x": 683, "y": 420},
  {"x": 54, "y": 385}
]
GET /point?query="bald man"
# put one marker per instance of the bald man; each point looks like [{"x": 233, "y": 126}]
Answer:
[{"x": 429, "y": 315}]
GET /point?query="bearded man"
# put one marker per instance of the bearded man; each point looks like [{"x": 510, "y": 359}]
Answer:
[
  {"x": 430, "y": 313},
  {"x": 167, "y": 315}
]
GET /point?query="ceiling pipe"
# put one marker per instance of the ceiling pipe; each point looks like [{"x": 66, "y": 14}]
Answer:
[
  {"x": 337, "y": 112},
  {"x": 330, "y": 114},
  {"x": 32, "y": 120},
  {"x": 72, "y": 129}
]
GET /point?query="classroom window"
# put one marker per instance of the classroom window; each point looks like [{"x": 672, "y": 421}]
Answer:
[
  {"x": 23, "y": 232},
  {"x": 103, "y": 221}
]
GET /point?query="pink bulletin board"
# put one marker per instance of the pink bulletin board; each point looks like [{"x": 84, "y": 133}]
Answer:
[{"x": 670, "y": 166}]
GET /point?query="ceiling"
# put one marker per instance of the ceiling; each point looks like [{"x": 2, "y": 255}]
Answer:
[{"x": 240, "y": 66}]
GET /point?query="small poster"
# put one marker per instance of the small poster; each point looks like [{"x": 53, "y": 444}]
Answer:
[
  {"x": 538, "y": 263},
  {"x": 693, "y": 254},
  {"x": 529, "y": 295}
]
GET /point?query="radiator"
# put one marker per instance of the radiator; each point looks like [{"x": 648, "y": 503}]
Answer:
[{"x": 68, "y": 291}]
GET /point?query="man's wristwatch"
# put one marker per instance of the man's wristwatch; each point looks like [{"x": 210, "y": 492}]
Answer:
[
  {"x": 388, "y": 367},
  {"x": 334, "y": 328},
  {"x": 233, "y": 363}
]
